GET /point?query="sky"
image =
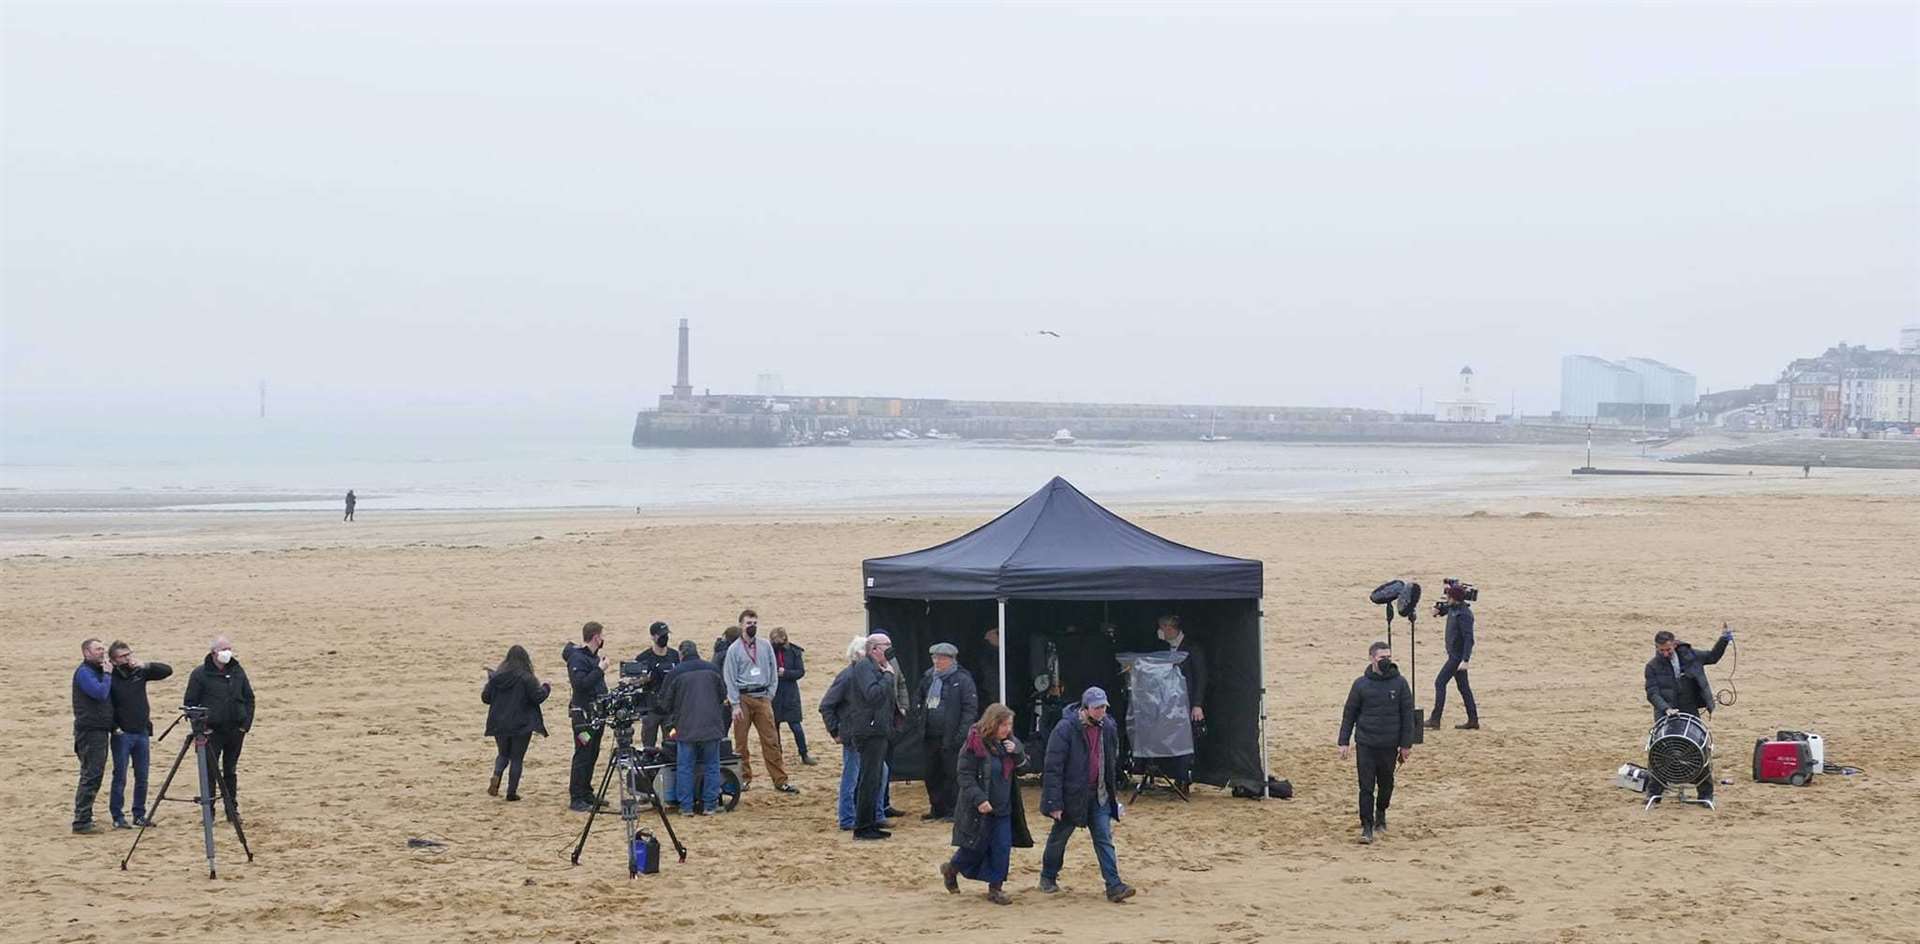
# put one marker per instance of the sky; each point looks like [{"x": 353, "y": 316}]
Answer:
[{"x": 406, "y": 215}]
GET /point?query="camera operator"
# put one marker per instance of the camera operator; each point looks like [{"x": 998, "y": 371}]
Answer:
[
  {"x": 655, "y": 664},
  {"x": 587, "y": 672},
  {"x": 694, "y": 706},
  {"x": 220, "y": 685},
  {"x": 1459, "y": 650},
  {"x": 1676, "y": 684},
  {"x": 1380, "y": 715},
  {"x": 134, "y": 721},
  {"x": 752, "y": 674},
  {"x": 92, "y": 728}
]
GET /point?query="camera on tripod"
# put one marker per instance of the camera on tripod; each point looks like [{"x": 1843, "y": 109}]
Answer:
[
  {"x": 622, "y": 707},
  {"x": 1454, "y": 592}
]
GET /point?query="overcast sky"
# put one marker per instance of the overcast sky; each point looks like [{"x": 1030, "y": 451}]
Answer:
[{"x": 392, "y": 213}]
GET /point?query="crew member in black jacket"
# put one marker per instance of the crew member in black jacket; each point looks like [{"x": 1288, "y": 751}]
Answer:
[
  {"x": 133, "y": 721},
  {"x": 865, "y": 718},
  {"x": 220, "y": 685},
  {"x": 587, "y": 672},
  {"x": 92, "y": 728},
  {"x": 1380, "y": 715},
  {"x": 1459, "y": 651},
  {"x": 656, "y": 663},
  {"x": 1677, "y": 683}
]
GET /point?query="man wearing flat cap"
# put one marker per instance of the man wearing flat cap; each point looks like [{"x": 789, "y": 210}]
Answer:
[{"x": 952, "y": 704}]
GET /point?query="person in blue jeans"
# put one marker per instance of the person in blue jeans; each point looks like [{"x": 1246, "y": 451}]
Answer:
[
  {"x": 830, "y": 706},
  {"x": 694, "y": 706},
  {"x": 133, "y": 730},
  {"x": 1079, "y": 786}
]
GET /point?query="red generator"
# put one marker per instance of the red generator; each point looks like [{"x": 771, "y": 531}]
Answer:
[{"x": 1783, "y": 762}]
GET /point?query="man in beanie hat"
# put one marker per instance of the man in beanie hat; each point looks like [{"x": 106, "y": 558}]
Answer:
[
  {"x": 952, "y": 705},
  {"x": 1080, "y": 787},
  {"x": 655, "y": 663}
]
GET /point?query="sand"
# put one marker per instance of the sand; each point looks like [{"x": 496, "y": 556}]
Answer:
[{"x": 367, "y": 645}]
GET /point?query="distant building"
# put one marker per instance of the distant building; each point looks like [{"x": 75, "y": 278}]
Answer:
[
  {"x": 1910, "y": 339},
  {"x": 769, "y": 384},
  {"x": 1465, "y": 407},
  {"x": 1635, "y": 391},
  {"x": 1848, "y": 387}
]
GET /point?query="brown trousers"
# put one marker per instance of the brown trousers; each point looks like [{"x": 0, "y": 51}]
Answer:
[{"x": 758, "y": 713}]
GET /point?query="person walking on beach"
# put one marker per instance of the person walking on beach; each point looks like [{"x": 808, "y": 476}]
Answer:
[
  {"x": 513, "y": 696},
  {"x": 792, "y": 661},
  {"x": 133, "y": 723},
  {"x": 1380, "y": 715},
  {"x": 1459, "y": 638},
  {"x": 1079, "y": 786},
  {"x": 92, "y": 729},
  {"x": 989, "y": 819},
  {"x": 587, "y": 672},
  {"x": 351, "y": 501},
  {"x": 753, "y": 677}
]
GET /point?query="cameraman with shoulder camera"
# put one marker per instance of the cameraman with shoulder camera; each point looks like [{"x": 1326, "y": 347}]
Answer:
[
  {"x": 1677, "y": 684},
  {"x": 587, "y": 672},
  {"x": 1458, "y": 609},
  {"x": 654, "y": 665},
  {"x": 220, "y": 685},
  {"x": 1380, "y": 715}
]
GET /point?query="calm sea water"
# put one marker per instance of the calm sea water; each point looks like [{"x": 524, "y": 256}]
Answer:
[{"x": 293, "y": 471}]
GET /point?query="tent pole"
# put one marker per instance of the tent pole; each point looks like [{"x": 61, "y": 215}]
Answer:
[
  {"x": 1260, "y": 620},
  {"x": 1002, "y": 650}
]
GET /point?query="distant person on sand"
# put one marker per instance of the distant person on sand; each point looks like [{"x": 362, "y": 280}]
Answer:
[
  {"x": 513, "y": 696},
  {"x": 351, "y": 501},
  {"x": 1806, "y": 470},
  {"x": 786, "y": 702},
  {"x": 1459, "y": 640}
]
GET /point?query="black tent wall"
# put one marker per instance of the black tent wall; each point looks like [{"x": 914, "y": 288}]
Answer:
[{"x": 1227, "y": 630}]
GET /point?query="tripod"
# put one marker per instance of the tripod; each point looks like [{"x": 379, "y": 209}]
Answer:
[
  {"x": 197, "y": 742},
  {"x": 626, "y": 761}
]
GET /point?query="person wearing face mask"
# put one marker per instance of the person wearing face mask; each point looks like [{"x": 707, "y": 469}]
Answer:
[
  {"x": 587, "y": 673},
  {"x": 656, "y": 663},
  {"x": 752, "y": 674},
  {"x": 134, "y": 723},
  {"x": 220, "y": 685},
  {"x": 92, "y": 728},
  {"x": 1677, "y": 684},
  {"x": 1380, "y": 716}
]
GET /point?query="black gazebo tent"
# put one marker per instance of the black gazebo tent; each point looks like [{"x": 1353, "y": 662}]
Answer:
[{"x": 1058, "y": 568}]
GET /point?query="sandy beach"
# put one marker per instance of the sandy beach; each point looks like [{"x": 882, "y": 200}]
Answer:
[{"x": 367, "y": 645}]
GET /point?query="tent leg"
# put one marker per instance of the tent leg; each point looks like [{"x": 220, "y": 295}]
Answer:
[
  {"x": 1260, "y": 618},
  {"x": 1002, "y": 650}
]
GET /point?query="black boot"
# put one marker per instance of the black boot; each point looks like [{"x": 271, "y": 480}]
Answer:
[{"x": 1433, "y": 721}]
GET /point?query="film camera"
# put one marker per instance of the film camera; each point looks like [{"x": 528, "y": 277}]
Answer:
[
  {"x": 624, "y": 704},
  {"x": 1454, "y": 591}
]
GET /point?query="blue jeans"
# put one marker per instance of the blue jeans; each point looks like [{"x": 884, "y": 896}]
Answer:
[
  {"x": 850, "y": 778},
  {"x": 129, "y": 747},
  {"x": 703, "y": 756},
  {"x": 1100, "y": 824}
]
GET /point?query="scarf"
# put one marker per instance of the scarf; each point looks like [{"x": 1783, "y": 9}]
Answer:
[
  {"x": 1093, "y": 732},
  {"x": 780, "y": 657},
  {"x": 978, "y": 746},
  {"x": 933, "y": 688}
]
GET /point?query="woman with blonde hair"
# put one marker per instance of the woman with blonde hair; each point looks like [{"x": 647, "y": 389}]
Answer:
[{"x": 989, "y": 819}]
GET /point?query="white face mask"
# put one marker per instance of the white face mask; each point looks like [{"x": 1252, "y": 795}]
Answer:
[{"x": 224, "y": 656}]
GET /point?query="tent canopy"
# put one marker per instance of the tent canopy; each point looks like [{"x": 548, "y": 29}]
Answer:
[{"x": 1061, "y": 545}]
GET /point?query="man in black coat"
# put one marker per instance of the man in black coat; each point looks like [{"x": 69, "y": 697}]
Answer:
[
  {"x": 587, "y": 673},
  {"x": 133, "y": 721},
  {"x": 1079, "y": 786},
  {"x": 655, "y": 664},
  {"x": 952, "y": 704},
  {"x": 695, "y": 706},
  {"x": 220, "y": 685},
  {"x": 865, "y": 717},
  {"x": 1459, "y": 653},
  {"x": 92, "y": 728},
  {"x": 1676, "y": 679},
  {"x": 1379, "y": 715}
]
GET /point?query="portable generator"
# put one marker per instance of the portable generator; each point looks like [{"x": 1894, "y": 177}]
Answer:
[{"x": 1790, "y": 757}]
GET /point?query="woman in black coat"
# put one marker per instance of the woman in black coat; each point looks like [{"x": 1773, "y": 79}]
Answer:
[
  {"x": 989, "y": 819},
  {"x": 513, "y": 696},
  {"x": 792, "y": 661}
]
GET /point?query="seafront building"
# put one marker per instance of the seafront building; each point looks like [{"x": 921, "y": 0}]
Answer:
[{"x": 1637, "y": 391}]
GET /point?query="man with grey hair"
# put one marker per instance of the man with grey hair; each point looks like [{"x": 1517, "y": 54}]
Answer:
[
  {"x": 952, "y": 704},
  {"x": 866, "y": 721},
  {"x": 92, "y": 728},
  {"x": 220, "y": 686}
]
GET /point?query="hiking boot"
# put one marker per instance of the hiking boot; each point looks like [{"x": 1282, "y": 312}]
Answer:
[
  {"x": 493, "y": 786},
  {"x": 1471, "y": 724},
  {"x": 872, "y": 832},
  {"x": 85, "y": 829},
  {"x": 1120, "y": 893},
  {"x": 998, "y": 897},
  {"x": 121, "y": 824},
  {"x": 1380, "y": 823},
  {"x": 579, "y": 806},
  {"x": 1366, "y": 835},
  {"x": 1049, "y": 886},
  {"x": 950, "y": 876},
  {"x": 1433, "y": 723},
  {"x": 513, "y": 798}
]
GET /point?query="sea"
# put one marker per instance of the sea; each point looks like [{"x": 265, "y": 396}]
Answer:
[{"x": 295, "y": 471}]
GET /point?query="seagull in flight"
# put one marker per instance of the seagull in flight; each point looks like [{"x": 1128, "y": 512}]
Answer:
[{"x": 1051, "y": 334}]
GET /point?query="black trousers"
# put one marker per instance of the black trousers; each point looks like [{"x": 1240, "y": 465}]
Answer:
[
  {"x": 586, "y": 756},
  {"x": 223, "y": 763},
  {"x": 92, "y": 748},
  {"x": 650, "y": 725},
  {"x": 511, "y": 756},
  {"x": 1376, "y": 771},
  {"x": 1452, "y": 670},
  {"x": 799, "y": 738},
  {"x": 866, "y": 793},
  {"x": 943, "y": 776}
]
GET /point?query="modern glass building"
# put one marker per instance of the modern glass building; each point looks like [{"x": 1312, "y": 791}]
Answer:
[{"x": 1636, "y": 390}]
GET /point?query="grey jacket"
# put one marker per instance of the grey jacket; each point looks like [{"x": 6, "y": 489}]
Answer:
[{"x": 739, "y": 670}]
